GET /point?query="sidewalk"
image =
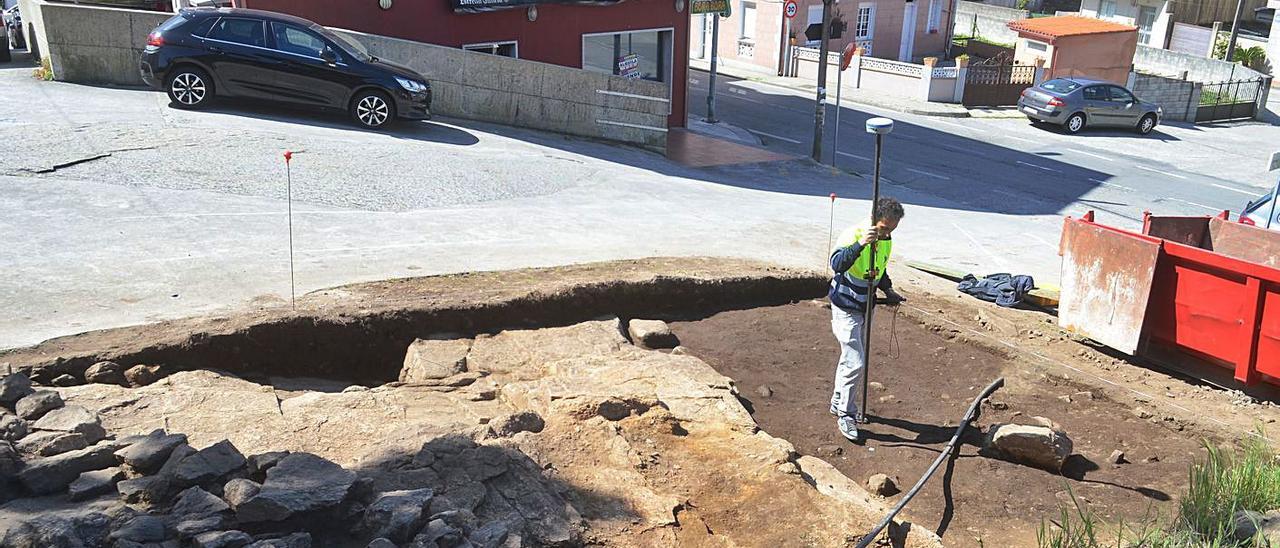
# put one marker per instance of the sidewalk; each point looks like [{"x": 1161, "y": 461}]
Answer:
[{"x": 850, "y": 95}]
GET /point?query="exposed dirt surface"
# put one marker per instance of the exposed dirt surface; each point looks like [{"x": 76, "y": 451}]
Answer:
[{"x": 929, "y": 379}]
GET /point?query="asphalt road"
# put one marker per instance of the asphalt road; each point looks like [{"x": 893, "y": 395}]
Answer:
[{"x": 1011, "y": 166}]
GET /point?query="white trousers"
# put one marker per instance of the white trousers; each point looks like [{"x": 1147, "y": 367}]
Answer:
[{"x": 847, "y": 326}]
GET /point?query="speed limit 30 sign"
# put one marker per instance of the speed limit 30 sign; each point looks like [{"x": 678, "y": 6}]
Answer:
[{"x": 790, "y": 9}]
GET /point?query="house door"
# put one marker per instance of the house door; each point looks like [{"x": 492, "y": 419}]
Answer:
[{"x": 907, "y": 49}]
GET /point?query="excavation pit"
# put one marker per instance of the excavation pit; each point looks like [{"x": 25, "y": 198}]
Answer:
[{"x": 627, "y": 446}]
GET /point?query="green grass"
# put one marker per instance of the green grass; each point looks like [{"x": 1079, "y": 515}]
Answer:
[{"x": 1218, "y": 487}]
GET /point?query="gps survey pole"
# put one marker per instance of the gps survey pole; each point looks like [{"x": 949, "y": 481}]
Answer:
[{"x": 880, "y": 127}]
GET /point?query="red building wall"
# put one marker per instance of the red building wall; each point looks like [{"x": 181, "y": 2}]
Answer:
[{"x": 555, "y": 37}]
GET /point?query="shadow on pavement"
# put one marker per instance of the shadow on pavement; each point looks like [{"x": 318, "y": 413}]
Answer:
[{"x": 333, "y": 119}]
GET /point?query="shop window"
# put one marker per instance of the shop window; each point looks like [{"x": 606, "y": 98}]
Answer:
[
  {"x": 505, "y": 49},
  {"x": 642, "y": 54}
]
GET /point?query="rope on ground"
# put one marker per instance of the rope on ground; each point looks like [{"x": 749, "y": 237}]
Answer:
[{"x": 1046, "y": 359}]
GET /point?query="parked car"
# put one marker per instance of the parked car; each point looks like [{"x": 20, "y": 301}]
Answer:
[
  {"x": 13, "y": 26},
  {"x": 204, "y": 53},
  {"x": 1255, "y": 213},
  {"x": 1075, "y": 103}
]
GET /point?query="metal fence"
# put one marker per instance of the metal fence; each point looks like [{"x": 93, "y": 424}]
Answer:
[{"x": 1233, "y": 100}]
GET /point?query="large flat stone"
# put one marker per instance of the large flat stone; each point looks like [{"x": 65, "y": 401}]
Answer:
[
  {"x": 73, "y": 418},
  {"x": 52, "y": 474},
  {"x": 300, "y": 483}
]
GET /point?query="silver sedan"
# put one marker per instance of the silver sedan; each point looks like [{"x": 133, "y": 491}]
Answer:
[{"x": 1074, "y": 103}]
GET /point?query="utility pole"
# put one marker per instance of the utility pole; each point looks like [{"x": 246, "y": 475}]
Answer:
[
  {"x": 820, "y": 109},
  {"x": 1235, "y": 32},
  {"x": 711, "y": 89}
]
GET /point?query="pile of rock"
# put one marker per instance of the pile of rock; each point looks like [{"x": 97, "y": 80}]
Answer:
[
  {"x": 103, "y": 372},
  {"x": 157, "y": 490}
]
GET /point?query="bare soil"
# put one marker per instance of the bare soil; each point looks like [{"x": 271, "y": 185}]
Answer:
[{"x": 929, "y": 377}]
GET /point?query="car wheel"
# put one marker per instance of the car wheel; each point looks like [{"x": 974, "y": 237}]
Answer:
[
  {"x": 1146, "y": 124},
  {"x": 189, "y": 87},
  {"x": 372, "y": 109},
  {"x": 1074, "y": 123}
]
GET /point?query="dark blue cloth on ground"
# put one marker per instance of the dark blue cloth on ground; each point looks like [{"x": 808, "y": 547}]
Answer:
[{"x": 1003, "y": 289}]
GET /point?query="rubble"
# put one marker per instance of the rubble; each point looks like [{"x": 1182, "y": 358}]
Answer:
[
  {"x": 299, "y": 483},
  {"x": 882, "y": 485},
  {"x": 105, "y": 372},
  {"x": 13, "y": 388},
  {"x": 35, "y": 405},
  {"x": 142, "y": 375},
  {"x": 652, "y": 334},
  {"x": 1038, "y": 446},
  {"x": 435, "y": 358},
  {"x": 73, "y": 418}
]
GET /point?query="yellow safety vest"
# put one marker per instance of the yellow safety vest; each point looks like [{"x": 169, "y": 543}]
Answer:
[{"x": 860, "y": 268}]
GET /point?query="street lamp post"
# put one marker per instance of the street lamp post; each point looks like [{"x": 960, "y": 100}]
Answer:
[{"x": 880, "y": 127}]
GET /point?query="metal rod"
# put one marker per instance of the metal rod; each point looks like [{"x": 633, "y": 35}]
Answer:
[
  {"x": 835, "y": 140},
  {"x": 293, "y": 295},
  {"x": 946, "y": 452},
  {"x": 715, "y": 54},
  {"x": 830, "y": 229},
  {"x": 871, "y": 290}
]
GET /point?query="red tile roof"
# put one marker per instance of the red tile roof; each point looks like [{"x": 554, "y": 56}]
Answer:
[{"x": 1067, "y": 25}]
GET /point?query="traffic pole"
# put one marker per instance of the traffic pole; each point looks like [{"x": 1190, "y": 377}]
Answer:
[
  {"x": 835, "y": 139},
  {"x": 880, "y": 127},
  {"x": 820, "y": 104},
  {"x": 288, "y": 157},
  {"x": 711, "y": 86}
]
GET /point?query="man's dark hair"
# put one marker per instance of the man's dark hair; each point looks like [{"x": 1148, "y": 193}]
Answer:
[{"x": 889, "y": 209}]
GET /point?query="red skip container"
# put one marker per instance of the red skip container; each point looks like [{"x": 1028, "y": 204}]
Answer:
[{"x": 1186, "y": 291}]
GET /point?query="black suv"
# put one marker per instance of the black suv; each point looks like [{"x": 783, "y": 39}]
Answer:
[{"x": 200, "y": 53}]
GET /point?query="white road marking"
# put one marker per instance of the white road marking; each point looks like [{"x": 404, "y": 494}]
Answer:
[
  {"x": 1113, "y": 185},
  {"x": 1041, "y": 240},
  {"x": 749, "y": 100},
  {"x": 1038, "y": 166},
  {"x": 1023, "y": 139},
  {"x": 695, "y": 81},
  {"x": 1098, "y": 156},
  {"x": 1246, "y": 193},
  {"x": 1154, "y": 170},
  {"x": 842, "y": 153},
  {"x": 994, "y": 258},
  {"x": 927, "y": 174},
  {"x": 1215, "y": 209},
  {"x": 738, "y": 91},
  {"x": 772, "y": 136},
  {"x": 955, "y": 124},
  {"x": 241, "y": 214}
]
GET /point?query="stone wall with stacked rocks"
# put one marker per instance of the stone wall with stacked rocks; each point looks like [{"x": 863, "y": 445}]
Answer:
[{"x": 66, "y": 481}]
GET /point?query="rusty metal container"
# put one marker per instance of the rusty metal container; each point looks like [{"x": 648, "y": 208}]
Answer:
[{"x": 1186, "y": 289}]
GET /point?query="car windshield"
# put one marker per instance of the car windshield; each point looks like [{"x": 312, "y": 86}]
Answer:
[
  {"x": 356, "y": 49},
  {"x": 1059, "y": 85}
]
